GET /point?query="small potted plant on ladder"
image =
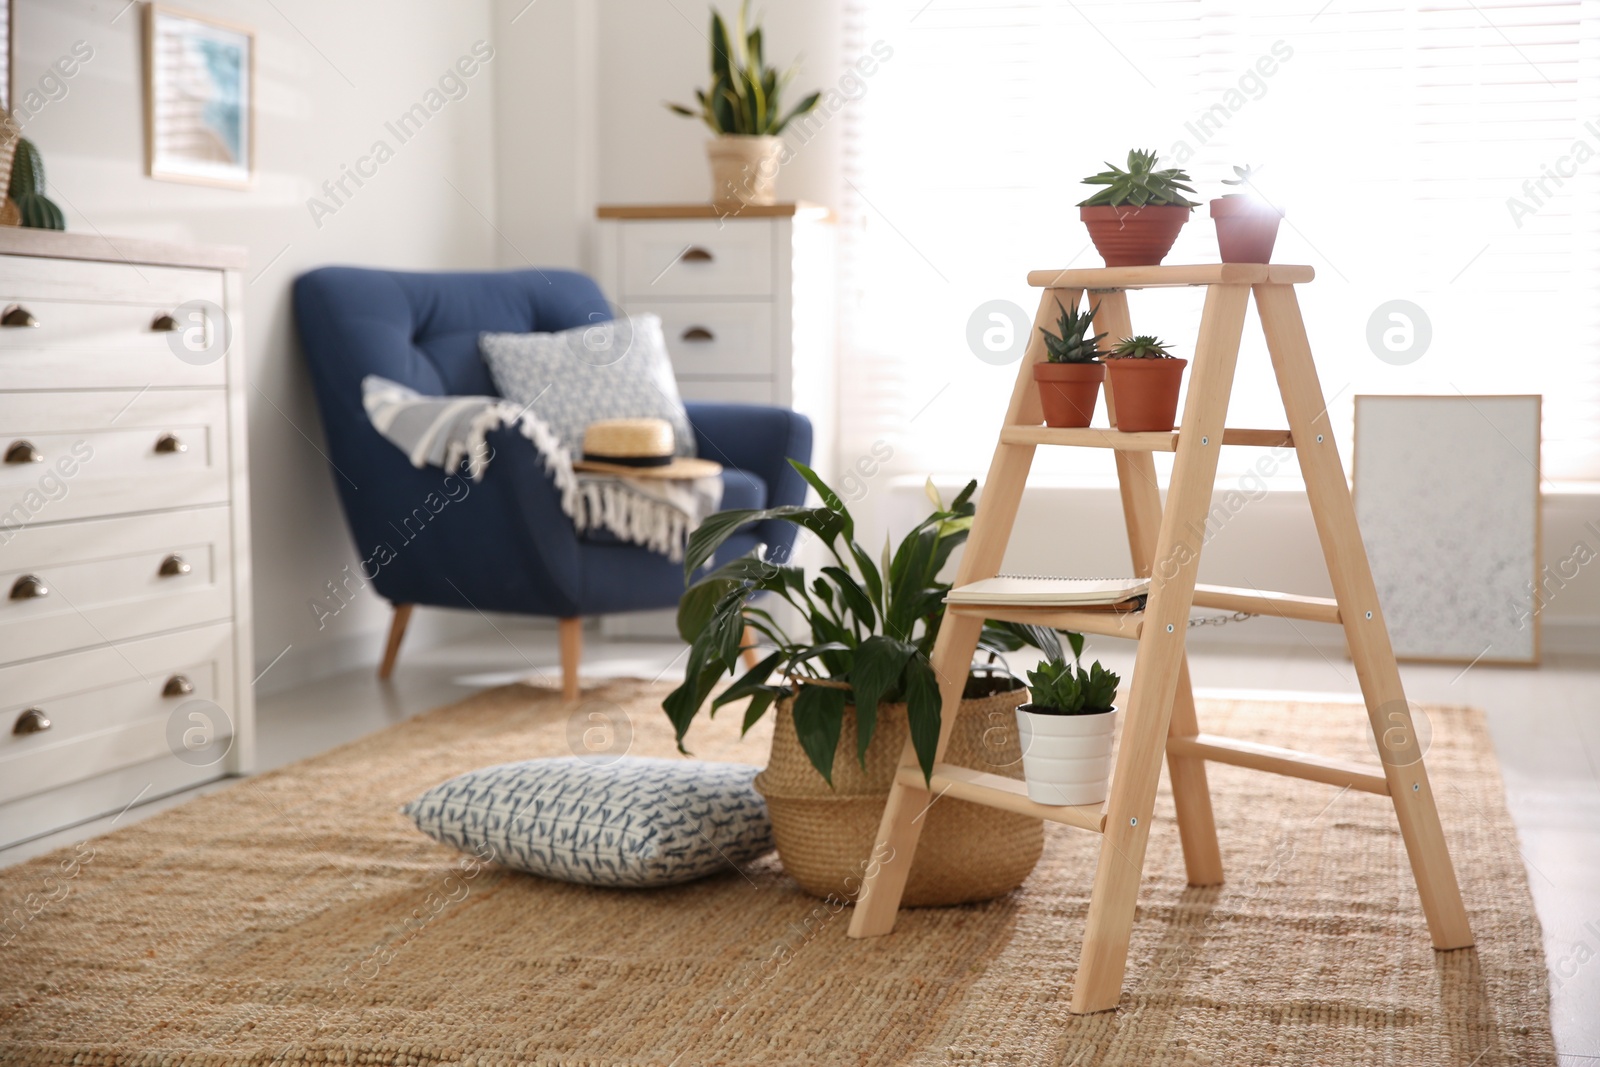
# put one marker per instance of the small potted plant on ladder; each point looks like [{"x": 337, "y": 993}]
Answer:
[
  {"x": 1066, "y": 732},
  {"x": 1136, "y": 217},
  {"x": 1069, "y": 377},
  {"x": 1247, "y": 225},
  {"x": 1145, "y": 379}
]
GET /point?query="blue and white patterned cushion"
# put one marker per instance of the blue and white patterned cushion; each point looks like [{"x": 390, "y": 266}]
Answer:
[
  {"x": 634, "y": 822},
  {"x": 607, "y": 370}
]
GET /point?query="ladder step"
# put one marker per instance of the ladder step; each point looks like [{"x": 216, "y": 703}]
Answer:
[
  {"x": 1007, "y": 794},
  {"x": 1098, "y": 437},
  {"x": 1285, "y": 761},
  {"x": 1157, "y": 277},
  {"x": 1126, "y": 624},
  {"x": 1260, "y": 602}
]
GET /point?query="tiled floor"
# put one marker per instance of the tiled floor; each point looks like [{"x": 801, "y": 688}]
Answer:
[{"x": 1545, "y": 724}]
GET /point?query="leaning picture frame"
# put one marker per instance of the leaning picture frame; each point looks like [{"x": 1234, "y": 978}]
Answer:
[{"x": 199, "y": 99}]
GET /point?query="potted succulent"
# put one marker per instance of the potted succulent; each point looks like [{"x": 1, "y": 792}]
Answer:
[
  {"x": 743, "y": 108},
  {"x": 1067, "y": 731},
  {"x": 1136, "y": 217},
  {"x": 1069, "y": 377},
  {"x": 1247, "y": 226},
  {"x": 1145, "y": 378},
  {"x": 848, "y": 693}
]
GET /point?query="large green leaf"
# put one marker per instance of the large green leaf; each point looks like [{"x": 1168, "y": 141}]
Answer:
[
  {"x": 853, "y": 596},
  {"x": 754, "y": 679},
  {"x": 818, "y": 721},
  {"x": 922, "y": 711},
  {"x": 879, "y": 662},
  {"x": 718, "y": 527},
  {"x": 760, "y": 701}
]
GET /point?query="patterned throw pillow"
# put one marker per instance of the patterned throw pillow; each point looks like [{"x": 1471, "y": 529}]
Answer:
[
  {"x": 634, "y": 822},
  {"x": 607, "y": 370}
]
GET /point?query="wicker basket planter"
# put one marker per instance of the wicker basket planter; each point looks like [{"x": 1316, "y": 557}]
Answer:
[{"x": 967, "y": 853}]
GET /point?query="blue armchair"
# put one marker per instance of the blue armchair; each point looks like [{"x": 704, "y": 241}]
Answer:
[{"x": 428, "y": 536}]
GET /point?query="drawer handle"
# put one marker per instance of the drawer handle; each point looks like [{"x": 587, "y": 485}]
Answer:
[
  {"x": 698, "y": 333},
  {"x": 29, "y": 587},
  {"x": 696, "y": 254},
  {"x": 23, "y": 452},
  {"x": 169, "y": 443},
  {"x": 177, "y": 686},
  {"x": 173, "y": 566},
  {"x": 32, "y": 721},
  {"x": 17, "y": 315},
  {"x": 164, "y": 323}
]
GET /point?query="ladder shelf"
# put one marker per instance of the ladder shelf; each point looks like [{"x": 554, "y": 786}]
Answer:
[{"x": 1165, "y": 540}]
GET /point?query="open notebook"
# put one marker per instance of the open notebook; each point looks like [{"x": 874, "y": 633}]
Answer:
[{"x": 1042, "y": 590}]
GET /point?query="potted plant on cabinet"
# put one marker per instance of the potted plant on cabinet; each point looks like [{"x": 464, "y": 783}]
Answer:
[
  {"x": 850, "y": 691},
  {"x": 1247, "y": 226},
  {"x": 1136, "y": 217},
  {"x": 742, "y": 107},
  {"x": 1145, "y": 378},
  {"x": 1067, "y": 731},
  {"x": 1069, "y": 377}
]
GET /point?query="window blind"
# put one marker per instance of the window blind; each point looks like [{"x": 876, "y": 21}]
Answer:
[{"x": 1437, "y": 163}]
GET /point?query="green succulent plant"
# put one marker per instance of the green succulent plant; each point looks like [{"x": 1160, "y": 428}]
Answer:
[
  {"x": 1143, "y": 346},
  {"x": 27, "y": 190},
  {"x": 1140, "y": 184},
  {"x": 1241, "y": 178},
  {"x": 744, "y": 94},
  {"x": 1067, "y": 689},
  {"x": 1073, "y": 346}
]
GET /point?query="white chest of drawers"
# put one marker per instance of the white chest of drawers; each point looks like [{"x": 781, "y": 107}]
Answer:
[
  {"x": 746, "y": 300},
  {"x": 124, "y": 527}
]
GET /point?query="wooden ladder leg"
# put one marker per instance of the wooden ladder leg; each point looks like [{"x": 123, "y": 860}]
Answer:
[
  {"x": 890, "y": 863},
  {"x": 1159, "y": 663},
  {"x": 1368, "y": 636},
  {"x": 1141, "y": 511}
]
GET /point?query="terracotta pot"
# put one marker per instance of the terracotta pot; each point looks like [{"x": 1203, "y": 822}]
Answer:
[
  {"x": 1145, "y": 392},
  {"x": 1069, "y": 391},
  {"x": 1133, "y": 236},
  {"x": 1246, "y": 229},
  {"x": 744, "y": 169}
]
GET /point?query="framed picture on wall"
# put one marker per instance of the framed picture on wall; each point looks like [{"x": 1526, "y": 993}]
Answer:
[{"x": 199, "y": 99}]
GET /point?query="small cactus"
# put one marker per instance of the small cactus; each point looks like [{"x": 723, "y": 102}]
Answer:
[
  {"x": 1073, "y": 346},
  {"x": 1142, "y": 346},
  {"x": 27, "y": 190}
]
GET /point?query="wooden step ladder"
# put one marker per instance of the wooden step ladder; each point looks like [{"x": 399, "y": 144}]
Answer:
[{"x": 1165, "y": 544}]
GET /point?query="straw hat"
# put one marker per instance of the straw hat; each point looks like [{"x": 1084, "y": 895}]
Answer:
[{"x": 638, "y": 448}]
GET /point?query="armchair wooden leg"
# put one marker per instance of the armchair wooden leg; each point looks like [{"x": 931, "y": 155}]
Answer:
[
  {"x": 397, "y": 633},
  {"x": 571, "y": 654},
  {"x": 752, "y": 655}
]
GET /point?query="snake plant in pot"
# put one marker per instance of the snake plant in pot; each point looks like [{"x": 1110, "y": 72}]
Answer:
[
  {"x": 1136, "y": 217},
  {"x": 1247, "y": 225},
  {"x": 1069, "y": 376},
  {"x": 849, "y": 692},
  {"x": 1144, "y": 381},
  {"x": 1067, "y": 730},
  {"x": 743, "y": 107}
]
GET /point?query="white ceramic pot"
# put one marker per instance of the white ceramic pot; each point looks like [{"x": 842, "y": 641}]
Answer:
[
  {"x": 1066, "y": 759},
  {"x": 744, "y": 169}
]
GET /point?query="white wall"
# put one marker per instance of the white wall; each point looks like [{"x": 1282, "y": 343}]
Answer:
[{"x": 328, "y": 76}]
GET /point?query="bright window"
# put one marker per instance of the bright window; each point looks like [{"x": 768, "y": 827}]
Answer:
[{"x": 1443, "y": 154}]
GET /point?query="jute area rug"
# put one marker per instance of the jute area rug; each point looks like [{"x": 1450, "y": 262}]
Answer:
[{"x": 298, "y": 918}]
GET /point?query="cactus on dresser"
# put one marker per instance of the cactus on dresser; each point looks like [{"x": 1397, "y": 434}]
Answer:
[{"x": 27, "y": 190}]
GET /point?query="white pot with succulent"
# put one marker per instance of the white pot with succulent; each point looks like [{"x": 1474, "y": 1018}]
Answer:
[{"x": 743, "y": 108}]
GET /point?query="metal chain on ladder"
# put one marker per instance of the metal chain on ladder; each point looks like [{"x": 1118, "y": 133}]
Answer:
[{"x": 1221, "y": 620}]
